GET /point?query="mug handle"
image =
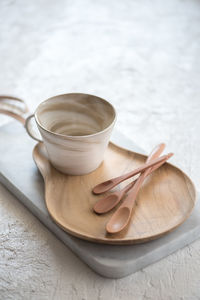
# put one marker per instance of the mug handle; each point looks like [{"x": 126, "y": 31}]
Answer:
[
  {"x": 10, "y": 111},
  {"x": 29, "y": 129}
]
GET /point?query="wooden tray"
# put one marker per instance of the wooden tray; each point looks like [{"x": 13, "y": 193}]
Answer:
[{"x": 164, "y": 202}]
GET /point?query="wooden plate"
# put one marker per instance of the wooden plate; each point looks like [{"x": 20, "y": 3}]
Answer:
[{"x": 164, "y": 202}]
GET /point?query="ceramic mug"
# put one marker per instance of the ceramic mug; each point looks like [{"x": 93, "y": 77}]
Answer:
[{"x": 75, "y": 129}]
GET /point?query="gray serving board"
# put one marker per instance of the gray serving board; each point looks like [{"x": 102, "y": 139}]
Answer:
[{"x": 20, "y": 175}]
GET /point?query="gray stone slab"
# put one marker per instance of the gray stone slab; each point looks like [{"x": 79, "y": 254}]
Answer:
[{"x": 20, "y": 175}]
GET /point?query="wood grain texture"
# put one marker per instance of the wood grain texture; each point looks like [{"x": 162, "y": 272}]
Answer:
[{"x": 165, "y": 200}]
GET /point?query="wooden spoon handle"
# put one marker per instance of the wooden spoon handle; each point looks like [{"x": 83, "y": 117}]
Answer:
[
  {"x": 109, "y": 184},
  {"x": 121, "y": 217},
  {"x": 150, "y": 170},
  {"x": 131, "y": 197},
  {"x": 100, "y": 207}
]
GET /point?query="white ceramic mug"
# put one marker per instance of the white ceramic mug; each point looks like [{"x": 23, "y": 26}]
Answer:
[{"x": 75, "y": 129}]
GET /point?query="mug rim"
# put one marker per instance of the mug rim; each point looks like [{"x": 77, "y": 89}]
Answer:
[{"x": 75, "y": 136}]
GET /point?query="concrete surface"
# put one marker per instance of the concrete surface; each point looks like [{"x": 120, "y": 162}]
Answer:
[{"x": 143, "y": 56}]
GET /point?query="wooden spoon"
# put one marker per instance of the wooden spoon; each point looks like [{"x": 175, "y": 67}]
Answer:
[
  {"x": 106, "y": 204},
  {"x": 121, "y": 217},
  {"x": 109, "y": 184},
  {"x": 109, "y": 202}
]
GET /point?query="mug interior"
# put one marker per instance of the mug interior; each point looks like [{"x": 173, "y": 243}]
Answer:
[{"x": 75, "y": 114}]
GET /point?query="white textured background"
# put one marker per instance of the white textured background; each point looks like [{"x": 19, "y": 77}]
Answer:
[{"x": 144, "y": 57}]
